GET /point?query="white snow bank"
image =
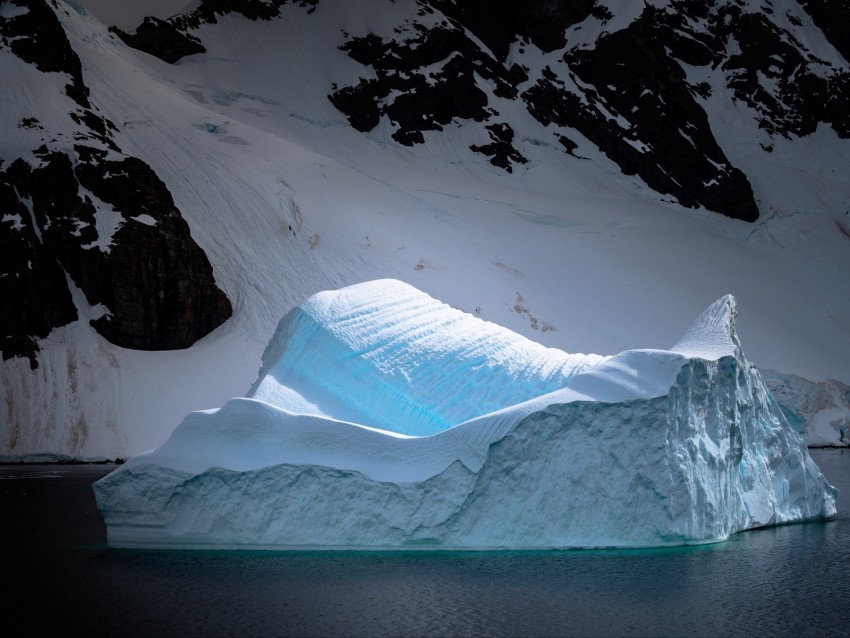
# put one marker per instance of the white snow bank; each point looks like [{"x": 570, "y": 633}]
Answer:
[{"x": 382, "y": 418}]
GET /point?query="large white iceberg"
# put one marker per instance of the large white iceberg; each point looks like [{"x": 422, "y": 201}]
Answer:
[{"x": 382, "y": 418}]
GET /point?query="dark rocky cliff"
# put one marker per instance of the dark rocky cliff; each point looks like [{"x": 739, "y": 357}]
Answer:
[
  {"x": 624, "y": 88},
  {"x": 78, "y": 213}
]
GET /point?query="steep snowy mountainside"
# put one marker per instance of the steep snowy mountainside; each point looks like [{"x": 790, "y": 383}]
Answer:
[
  {"x": 832, "y": 17},
  {"x": 285, "y": 197},
  {"x": 634, "y": 88},
  {"x": 642, "y": 84},
  {"x": 79, "y": 208}
]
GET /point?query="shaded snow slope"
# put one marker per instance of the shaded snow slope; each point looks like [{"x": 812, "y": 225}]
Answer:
[
  {"x": 646, "y": 448},
  {"x": 286, "y": 199},
  {"x": 819, "y": 411}
]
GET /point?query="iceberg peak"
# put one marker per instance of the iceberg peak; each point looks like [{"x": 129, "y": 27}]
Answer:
[{"x": 712, "y": 335}]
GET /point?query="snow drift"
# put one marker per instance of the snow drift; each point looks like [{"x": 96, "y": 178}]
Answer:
[{"x": 382, "y": 418}]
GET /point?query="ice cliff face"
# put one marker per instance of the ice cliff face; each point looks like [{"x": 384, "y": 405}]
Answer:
[{"x": 528, "y": 447}]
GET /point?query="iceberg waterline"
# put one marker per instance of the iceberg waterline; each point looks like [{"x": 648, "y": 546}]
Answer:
[{"x": 382, "y": 418}]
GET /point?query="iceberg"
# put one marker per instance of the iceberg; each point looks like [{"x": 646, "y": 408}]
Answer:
[{"x": 382, "y": 418}]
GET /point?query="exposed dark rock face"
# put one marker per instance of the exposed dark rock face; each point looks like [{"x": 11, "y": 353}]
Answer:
[
  {"x": 624, "y": 85},
  {"x": 155, "y": 281},
  {"x": 162, "y": 39},
  {"x": 93, "y": 218},
  {"x": 634, "y": 103},
  {"x": 170, "y": 40},
  {"x": 159, "y": 284},
  {"x": 499, "y": 23},
  {"x": 626, "y": 95},
  {"x": 833, "y": 18},
  {"x": 628, "y": 91},
  {"x": 32, "y": 283},
  {"x": 36, "y": 37},
  {"x": 500, "y": 151},
  {"x": 251, "y": 9},
  {"x": 427, "y": 101},
  {"x": 780, "y": 80}
]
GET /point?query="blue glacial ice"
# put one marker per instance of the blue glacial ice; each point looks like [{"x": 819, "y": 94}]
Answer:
[{"x": 382, "y": 418}]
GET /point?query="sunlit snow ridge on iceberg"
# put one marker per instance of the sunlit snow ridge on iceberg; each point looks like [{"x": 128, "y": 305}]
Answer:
[{"x": 382, "y": 418}]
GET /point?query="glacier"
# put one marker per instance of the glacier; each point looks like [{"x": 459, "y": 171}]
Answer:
[{"x": 383, "y": 418}]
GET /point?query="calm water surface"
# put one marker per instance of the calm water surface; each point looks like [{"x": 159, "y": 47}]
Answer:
[{"x": 786, "y": 581}]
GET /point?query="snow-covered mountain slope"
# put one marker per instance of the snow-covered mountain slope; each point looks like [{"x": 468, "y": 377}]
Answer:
[
  {"x": 819, "y": 411},
  {"x": 286, "y": 197},
  {"x": 81, "y": 214},
  {"x": 511, "y": 445}
]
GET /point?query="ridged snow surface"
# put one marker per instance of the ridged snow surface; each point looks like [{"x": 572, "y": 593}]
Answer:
[{"x": 383, "y": 418}]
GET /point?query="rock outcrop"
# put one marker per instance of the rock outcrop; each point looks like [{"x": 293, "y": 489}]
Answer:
[
  {"x": 631, "y": 80},
  {"x": 80, "y": 214}
]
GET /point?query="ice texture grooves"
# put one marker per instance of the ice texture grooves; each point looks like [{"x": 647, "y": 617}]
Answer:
[
  {"x": 713, "y": 334},
  {"x": 386, "y": 355},
  {"x": 645, "y": 448}
]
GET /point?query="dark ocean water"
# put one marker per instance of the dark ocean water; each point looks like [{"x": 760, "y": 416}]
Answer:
[{"x": 61, "y": 579}]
